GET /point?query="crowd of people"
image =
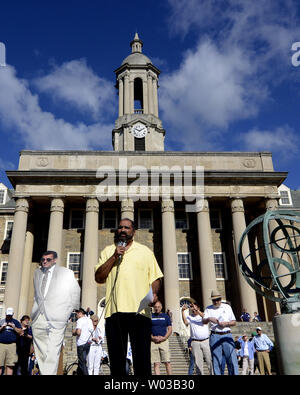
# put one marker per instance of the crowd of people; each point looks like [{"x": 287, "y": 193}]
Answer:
[
  {"x": 216, "y": 346},
  {"x": 136, "y": 336}
]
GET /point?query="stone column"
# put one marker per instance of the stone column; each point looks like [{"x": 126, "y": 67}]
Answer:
[
  {"x": 155, "y": 97},
  {"x": 121, "y": 97},
  {"x": 247, "y": 294},
  {"x": 26, "y": 271},
  {"x": 126, "y": 94},
  {"x": 272, "y": 204},
  {"x": 150, "y": 94},
  {"x": 171, "y": 278},
  {"x": 55, "y": 233},
  {"x": 127, "y": 209},
  {"x": 131, "y": 85},
  {"x": 16, "y": 256},
  {"x": 145, "y": 97},
  {"x": 206, "y": 253},
  {"x": 90, "y": 255}
]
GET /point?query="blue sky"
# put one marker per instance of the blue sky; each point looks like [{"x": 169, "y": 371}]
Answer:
[{"x": 227, "y": 80}]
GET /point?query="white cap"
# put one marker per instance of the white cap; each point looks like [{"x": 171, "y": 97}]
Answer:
[
  {"x": 258, "y": 328},
  {"x": 9, "y": 311}
]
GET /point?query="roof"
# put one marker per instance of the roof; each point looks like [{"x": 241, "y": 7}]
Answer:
[{"x": 137, "y": 58}]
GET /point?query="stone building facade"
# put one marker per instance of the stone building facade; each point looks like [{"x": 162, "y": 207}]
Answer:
[{"x": 71, "y": 201}]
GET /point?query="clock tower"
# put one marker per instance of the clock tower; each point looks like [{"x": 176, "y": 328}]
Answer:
[{"x": 138, "y": 127}]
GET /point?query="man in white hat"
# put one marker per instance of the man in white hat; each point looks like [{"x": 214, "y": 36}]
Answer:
[
  {"x": 9, "y": 331},
  {"x": 221, "y": 319}
]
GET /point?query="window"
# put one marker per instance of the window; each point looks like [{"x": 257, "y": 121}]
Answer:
[
  {"x": 184, "y": 265},
  {"x": 215, "y": 219},
  {"x": 8, "y": 230},
  {"x": 145, "y": 219},
  {"x": 109, "y": 219},
  {"x": 220, "y": 266},
  {"x": 3, "y": 272},
  {"x": 181, "y": 219},
  {"x": 2, "y": 196},
  {"x": 77, "y": 219},
  {"x": 74, "y": 263},
  {"x": 139, "y": 144},
  {"x": 285, "y": 198}
]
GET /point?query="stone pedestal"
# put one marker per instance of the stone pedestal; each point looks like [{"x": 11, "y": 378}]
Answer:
[{"x": 286, "y": 332}]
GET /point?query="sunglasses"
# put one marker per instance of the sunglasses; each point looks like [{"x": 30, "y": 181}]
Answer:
[
  {"x": 217, "y": 300},
  {"x": 46, "y": 260}
]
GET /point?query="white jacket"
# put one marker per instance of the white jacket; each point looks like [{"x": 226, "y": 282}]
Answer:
[{"x": 62, "y": 298}]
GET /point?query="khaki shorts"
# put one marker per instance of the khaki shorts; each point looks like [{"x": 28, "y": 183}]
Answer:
[
  {"x": 8, "y": 354},
  {"x": 160, "y": 352}
]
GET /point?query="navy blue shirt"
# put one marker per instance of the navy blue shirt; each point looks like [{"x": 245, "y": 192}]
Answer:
[
  {"x": 8, "y": 334},
  {"x": 160, "y": 322}
]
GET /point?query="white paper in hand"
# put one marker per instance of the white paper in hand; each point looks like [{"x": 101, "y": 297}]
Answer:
[{"x": 146, "y": 300}]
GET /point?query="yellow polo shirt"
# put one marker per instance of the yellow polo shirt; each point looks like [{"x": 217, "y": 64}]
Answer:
[{"x": 137, "y": 272}]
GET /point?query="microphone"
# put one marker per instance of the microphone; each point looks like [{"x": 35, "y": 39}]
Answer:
[{"x": 121, "y": 244}]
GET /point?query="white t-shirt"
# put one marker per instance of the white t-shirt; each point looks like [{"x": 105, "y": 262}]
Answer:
[
  {"x": 86, "y": 326},
  {"x": 199, "y": 330},
  {"x": 246, "y": 350},
  {"x": 223, "y": 313}
]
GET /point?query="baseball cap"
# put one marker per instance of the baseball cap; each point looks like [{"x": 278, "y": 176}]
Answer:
[
  {"x": 9, "y": 311},
  {"x": 258, "y": 328}
]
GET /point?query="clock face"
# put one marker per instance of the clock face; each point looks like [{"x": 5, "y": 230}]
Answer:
[{"x": 139, "y": 130}]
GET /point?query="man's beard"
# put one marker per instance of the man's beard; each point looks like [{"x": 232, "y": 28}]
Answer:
[{"x": 124, "y": 237}]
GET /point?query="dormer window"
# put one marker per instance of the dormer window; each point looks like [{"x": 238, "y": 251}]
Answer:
[{"x": 285, "y": 198}]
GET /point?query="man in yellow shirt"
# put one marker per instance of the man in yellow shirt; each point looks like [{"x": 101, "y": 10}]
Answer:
[{"x": 130, "y": 272}]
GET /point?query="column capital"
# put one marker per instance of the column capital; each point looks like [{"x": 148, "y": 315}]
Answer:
[
  {"x": 237, "y": 205},
  {"x": 127, "y": 205},
  {"x": 203, "y": 205},
  {"x": 167, "y": 206},
  {"x": 271, "y": 204},
  {"x": 22, "y": 204},
  {"x": 92, "y": 205},
  {"x": 57, "y": 204}
]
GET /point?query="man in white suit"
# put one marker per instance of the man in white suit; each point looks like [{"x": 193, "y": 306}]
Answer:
[{"x": 56, "y": 295}]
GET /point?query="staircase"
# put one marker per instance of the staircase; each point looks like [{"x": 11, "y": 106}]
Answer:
[{"x": 178, "y": 348}]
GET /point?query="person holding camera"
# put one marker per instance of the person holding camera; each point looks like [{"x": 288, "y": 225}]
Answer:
[{"x": 9, "y": 331}]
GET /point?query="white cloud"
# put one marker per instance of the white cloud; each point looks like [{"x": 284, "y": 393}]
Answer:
[
  {"x": 242, "y": 51},
  {"x": 210, "y": 89},
  {"x": 283, "y": 140},
  {"x": 22, "y": 115},
  {"x": 6, "y": 164},
  {"x": 75, "y": 83}
]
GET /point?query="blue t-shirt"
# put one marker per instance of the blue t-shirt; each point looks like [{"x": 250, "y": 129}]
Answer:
[
  {"x": 160, "y": 322},
  {"x": 8, "y": 334}
]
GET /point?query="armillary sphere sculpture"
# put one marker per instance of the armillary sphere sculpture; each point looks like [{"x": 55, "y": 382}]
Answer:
[{"x": 272, "y": 266}]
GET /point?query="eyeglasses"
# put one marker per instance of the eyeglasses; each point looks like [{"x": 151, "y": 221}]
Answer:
[{"x": 46, "y": 260}]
